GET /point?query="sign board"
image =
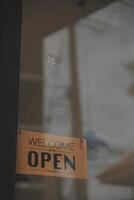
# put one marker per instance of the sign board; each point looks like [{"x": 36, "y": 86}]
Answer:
[{"x": 50, "y": 155}]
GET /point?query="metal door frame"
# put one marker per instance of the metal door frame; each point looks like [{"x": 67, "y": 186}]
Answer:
[{"x": 10, "y": 31}]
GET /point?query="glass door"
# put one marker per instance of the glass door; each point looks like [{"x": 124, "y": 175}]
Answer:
[{"x": 76, "y": 82}]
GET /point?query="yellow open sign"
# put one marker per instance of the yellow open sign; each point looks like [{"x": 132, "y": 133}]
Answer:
[{"x": 49, "y": 155}]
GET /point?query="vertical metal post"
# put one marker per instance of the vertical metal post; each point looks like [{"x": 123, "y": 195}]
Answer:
[
  {"x": 10, "y": 26},
  {"x": 75, "y": 97},
  {"x": 80, "y": 186}
]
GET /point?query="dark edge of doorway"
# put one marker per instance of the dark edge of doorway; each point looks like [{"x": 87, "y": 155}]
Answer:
[{"x": 10, "y": 40}]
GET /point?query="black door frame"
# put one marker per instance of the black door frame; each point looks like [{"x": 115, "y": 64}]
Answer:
[{"x": 10, "y": 31}]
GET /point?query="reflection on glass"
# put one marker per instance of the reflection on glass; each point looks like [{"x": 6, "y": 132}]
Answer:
[{"x": 77, "y": 80}]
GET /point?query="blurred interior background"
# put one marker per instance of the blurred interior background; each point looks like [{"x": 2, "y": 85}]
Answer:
[{"x": 77, "y": 79}]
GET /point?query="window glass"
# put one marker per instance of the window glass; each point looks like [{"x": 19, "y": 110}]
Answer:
[{"x": 77, "y": 81}]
